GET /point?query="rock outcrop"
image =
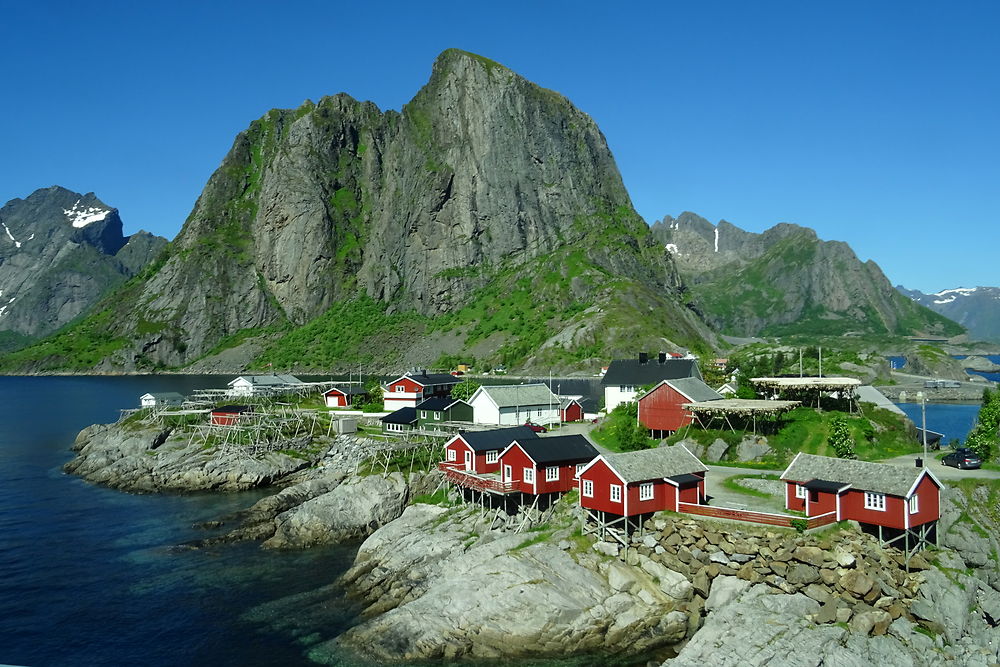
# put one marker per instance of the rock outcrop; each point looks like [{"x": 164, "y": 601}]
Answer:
[
  {"x": 146, "y": 460},
  {"x": 437, "y": 588},
  {"x": 60, "y": 251},
  {"x": 975, "y": 308}
]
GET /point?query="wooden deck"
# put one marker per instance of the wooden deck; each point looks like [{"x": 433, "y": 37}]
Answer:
[
  {"x": 784, "y": 520},
  {"x": 488, "y": 482}
]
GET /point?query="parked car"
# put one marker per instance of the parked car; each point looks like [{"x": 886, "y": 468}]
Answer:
[
  {"x": 963, "y": 458},
  {"x": 537, "y": 428}
]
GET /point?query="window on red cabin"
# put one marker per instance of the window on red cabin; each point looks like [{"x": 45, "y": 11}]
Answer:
[
  {"x": 646, "y": 491},
  {"x": 552, "y": 474},
  {"x": 529, "y": 475},
  {"x": 616, "y": 493},
  {"x": 400, "y": 387},
  {"x": 588, "y": 488},
  {"x": 800, "y": 491},
  {"x": 914, "y": 504},
  {"x": 874, "y": 501},
  {"x": 492, "y": 456},
  {"x": 451, "y": 455},
  {"x": 579, "y": 467}
]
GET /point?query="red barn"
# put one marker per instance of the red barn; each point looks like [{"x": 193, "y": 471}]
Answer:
[
  {"x": 229, "y": 415},
  {"x": 661, "y": 409},
  {"x": 342, "y": 397},
  {"x": 545, "y": 465},
  {"x": 873, "y": 494},
  {"x": 570, "y": 409},
  {"x": 408, "y": 390},
  {"x": 642, "y": 482},
  {"x": 479, "y": 451}
]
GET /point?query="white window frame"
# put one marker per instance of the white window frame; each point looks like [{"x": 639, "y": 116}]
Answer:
[
  {"x": 615, "y": 491},
  {"x": 646, "y": 491},
  {"x": 529, "y": 475},
  {"x": 492, "y": 456},
  {"x": 400, "y": 388},
  {"x": 874, "y": 501},
  {"x": 437, "y": 416},
  {"x": 579, "y": 467},
  {"x": 588, "y": 488},
  {"x": 800, "y": 491},
  {"x": 452, "y": 455},
  {"x": 914, "y": 504},
  {"x": 423, "y": 414},
  {"x": 552, "y": 474},
  {"x": 538, "y": 412}
]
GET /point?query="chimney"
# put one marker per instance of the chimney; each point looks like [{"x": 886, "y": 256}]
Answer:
[
  {"x": 662, "y": 357},
  {"x": 643, "y": 358}
]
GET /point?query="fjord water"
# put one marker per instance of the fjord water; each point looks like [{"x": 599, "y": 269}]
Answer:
[{"x": 89, "y": 575}]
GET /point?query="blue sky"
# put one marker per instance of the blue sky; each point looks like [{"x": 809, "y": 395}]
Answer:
[{"x": 874, "y": 123}]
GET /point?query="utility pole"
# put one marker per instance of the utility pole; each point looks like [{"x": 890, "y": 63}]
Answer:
[
  {"x": 923, "y": 421},
  {"x": 821, "y": 362},
  {"x": 800, "y": 362}
]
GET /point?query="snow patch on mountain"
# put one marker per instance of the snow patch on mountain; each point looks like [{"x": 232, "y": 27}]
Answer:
[
  {"x": 949, "y": 295},
  {"x": 81, "y": 216},
  {"x": 672, "y": 249},
  {"x": 17, "y": 244}
]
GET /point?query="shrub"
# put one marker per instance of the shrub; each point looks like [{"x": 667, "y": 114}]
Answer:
[{"x": 840, "y": 438}]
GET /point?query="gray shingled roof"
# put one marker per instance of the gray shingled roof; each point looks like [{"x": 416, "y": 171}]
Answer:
[
  {"x": 269, "y": 380},
  {"x": 631, "y": 372},
  {"x": 511, "y": 395},
  {"x": 863, "y": 475},
  {"x": 654, "y": 463},
  {"x": 695, "y": 389}
]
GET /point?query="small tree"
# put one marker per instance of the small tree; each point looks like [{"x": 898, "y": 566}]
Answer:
[
  {"x": 840, "y": 438},
  {"x": 464, "y": 390}
]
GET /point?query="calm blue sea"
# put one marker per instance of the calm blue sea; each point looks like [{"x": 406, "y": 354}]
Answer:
[
  {"x": 955, "y": 420},
  {"x": 992, "y": 377},
  {"x": 88, "y": 575}
]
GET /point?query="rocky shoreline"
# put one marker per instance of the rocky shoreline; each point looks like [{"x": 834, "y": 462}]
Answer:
[{"x": 444, "y": 582}]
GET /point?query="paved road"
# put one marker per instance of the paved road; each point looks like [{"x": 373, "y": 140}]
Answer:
[{"x": 944, "y": 472}]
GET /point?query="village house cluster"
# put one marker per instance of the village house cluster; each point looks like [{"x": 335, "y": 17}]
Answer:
[{"x": 498, "y": 451}]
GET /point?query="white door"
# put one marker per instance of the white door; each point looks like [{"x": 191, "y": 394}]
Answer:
[
  {"x": 468, "y": 460},
  {"x": 508, "y": 474}
]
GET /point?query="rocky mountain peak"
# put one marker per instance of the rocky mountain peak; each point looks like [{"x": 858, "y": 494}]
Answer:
[{"x": 58, "y": 254}]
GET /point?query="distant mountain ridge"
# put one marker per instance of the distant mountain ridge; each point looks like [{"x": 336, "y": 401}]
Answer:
[
  {"x": 60, "y": 251},
  {"x": 786, "y": 280},
  {"x": 487, "y": 218},
  {"x": 975, "y": 308}
]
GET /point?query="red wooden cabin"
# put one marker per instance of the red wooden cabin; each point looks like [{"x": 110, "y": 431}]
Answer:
[
  {"x": 661, "y": 409},
  {"x": 650, "y": 480},
  {"x": 875, "y": 494},
  {"x": 229, "y": 415},
  {"x": 545, "y": 465},
  {"x": 479, "y": 451},
  {"x": 570, "y": 410},
  {"x": 408, "y": 390},
  {"x": 341, "y": 397}
]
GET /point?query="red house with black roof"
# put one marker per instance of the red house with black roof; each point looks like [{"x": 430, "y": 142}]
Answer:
[
  {"x": 570, "y": 409},
  {"x": 642, "y": 482},
  {"x": 873, "y": 494},
  {"x": 229, "y": 415},
  {"x": 545, "y": 465},
  {"x": 479, "y": 451},
  {"x": 342, "y": 397},
  {"x": 415, "y": 387},
  {"x": 623, "y": 378}
]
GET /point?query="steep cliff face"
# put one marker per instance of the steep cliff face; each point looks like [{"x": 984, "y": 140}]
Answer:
[
  {"x": 484, "y": 180},
  {"x": 786, "y": 280},
  {"x": 60, "y": 251}
]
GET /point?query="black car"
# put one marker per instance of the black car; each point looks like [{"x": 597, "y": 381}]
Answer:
[{"x": 963, "y": 458}]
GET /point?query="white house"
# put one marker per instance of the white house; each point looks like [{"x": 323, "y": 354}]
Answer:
[
  {"x": 161, "y": 399},
  {"x": 624, "y": 377},
  {"x": 513, "y": 404},
  {"x": 262, "y": 385}
]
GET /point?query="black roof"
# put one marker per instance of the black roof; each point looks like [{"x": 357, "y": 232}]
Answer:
[
  {"x": 632, "y": 372},
  {"x": 233, "y": 408},
  {"x": 933, "y": 437},
  {"x": 559, "y": 449},
  {"x": 685, "y": 479},
  {"x": 401, "y": 416},
  {"x": 438, "y": 403},
  {"x": 497, "y": 438},
  {"x": 350, "y": 390},
  {"x": 824, "y": 485}
]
